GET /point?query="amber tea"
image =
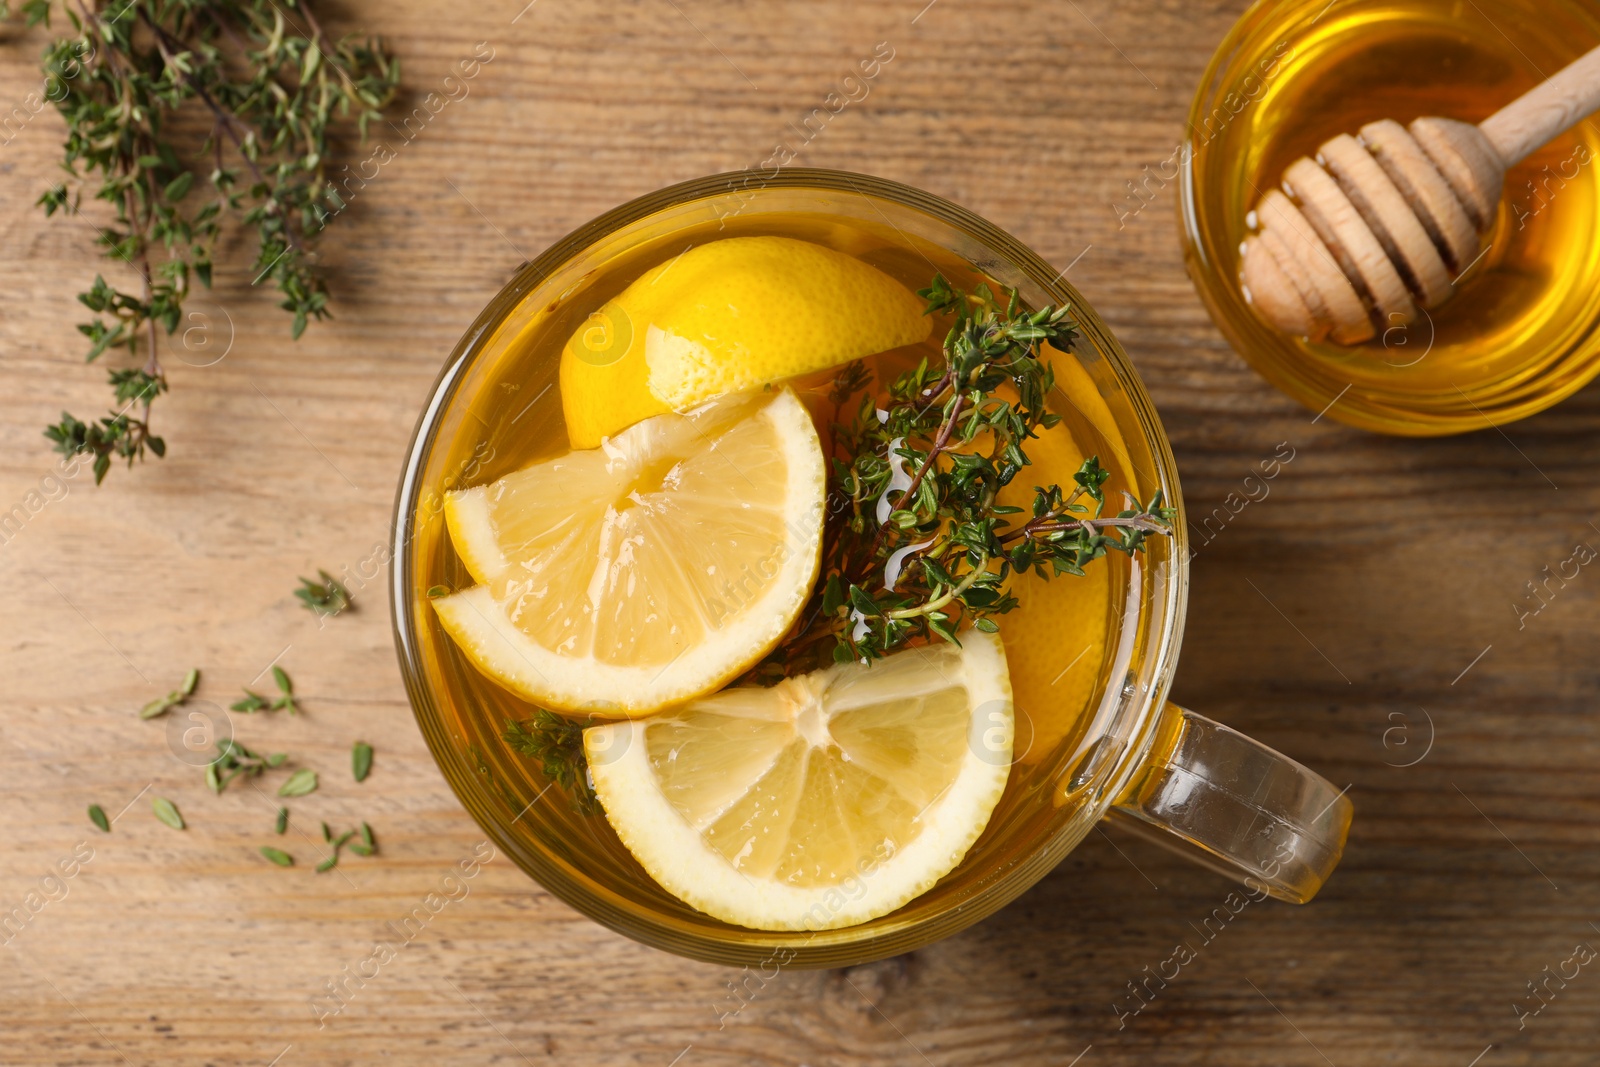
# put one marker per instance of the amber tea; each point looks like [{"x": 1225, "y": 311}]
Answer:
[{"x": 776, "y": 583}]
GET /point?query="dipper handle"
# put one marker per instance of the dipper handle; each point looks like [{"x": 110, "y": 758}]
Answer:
[{"x": 1545, "y": 110}]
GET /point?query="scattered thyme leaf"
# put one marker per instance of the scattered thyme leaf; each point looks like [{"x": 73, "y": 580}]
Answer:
[
  {"x": 557, "y": 744},
  {"x": 167, "y": 812},
  {"x": 282, "y": 822},
  {"x": 277, "y": 855},
  {"x": 97, "y": 815},
  {"x": 233, "y": 759},
  {"x": 326, "y": 598},
  {"x": 361, "y": 760},
  {"x": 252, "y": 703},
  {"x": 299, "y": 783},
  {"x": 158, "y": 706},
  {"x": 161, "y": 705},
  {"x": 363, "y": 847},
  {"x": 287, "y": 703}
]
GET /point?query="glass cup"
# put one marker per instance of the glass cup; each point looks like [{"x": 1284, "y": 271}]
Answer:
[
  {"x": 1522, "y": 329},
  {"x": 1183, "y": 781}
]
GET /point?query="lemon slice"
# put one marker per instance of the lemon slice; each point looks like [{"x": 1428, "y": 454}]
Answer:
[
  {"x": 824, "y": 801},
  {"x": 647, "y": 572},
  {"x": 724, "y": 317}
]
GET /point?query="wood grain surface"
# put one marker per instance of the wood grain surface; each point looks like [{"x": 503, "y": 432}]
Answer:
[{"x": 1372, "y": 593}]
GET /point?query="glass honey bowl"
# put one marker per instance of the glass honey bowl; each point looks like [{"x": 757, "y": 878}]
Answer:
[
  {"x": 1116, "y": 747},
  {"x": 1519, "y": 334}
]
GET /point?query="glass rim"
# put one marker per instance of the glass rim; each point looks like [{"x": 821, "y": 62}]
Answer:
[{"x": 833, "y": 947}]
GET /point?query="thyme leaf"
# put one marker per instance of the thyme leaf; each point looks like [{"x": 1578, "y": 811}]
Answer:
[
  {"x": 360, "y": 761},
  {"x": 167, "y": 812},
  {"x": 299, "y": 783}
]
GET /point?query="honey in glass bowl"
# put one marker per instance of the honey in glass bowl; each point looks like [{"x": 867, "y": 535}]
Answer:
[{"x": 1520, "y": 332}]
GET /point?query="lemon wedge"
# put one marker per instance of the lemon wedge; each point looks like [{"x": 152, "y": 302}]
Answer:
[
  {"x": 824, "y": 801},
  {"x": 1056, "y": 646},
  {"x": 725, "y": 317},
  {"x": 655, "y": 569}
]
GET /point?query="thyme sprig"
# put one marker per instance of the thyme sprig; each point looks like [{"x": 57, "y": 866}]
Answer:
[
  {"x": 918, "y": 544},
  {"x": 233, "y": 759},
  {"x": 275, "y": 93},
  {"x": 326, "y": 598},
  {"x": 161, "y": 705},
  {"x": 253, "y": 702},
  {"x": 556, "y": 743}
]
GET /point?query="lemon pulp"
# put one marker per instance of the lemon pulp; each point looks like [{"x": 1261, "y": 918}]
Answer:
[
  {"x": 649, "y": 571},
  {"x": 824, "y": 801}
]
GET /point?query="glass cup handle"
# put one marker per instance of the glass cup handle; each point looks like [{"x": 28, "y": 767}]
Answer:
[{"x": 1232, "y": 804}]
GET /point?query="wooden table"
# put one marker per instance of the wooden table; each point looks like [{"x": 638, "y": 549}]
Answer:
[{"x": 1334, "y": 620}]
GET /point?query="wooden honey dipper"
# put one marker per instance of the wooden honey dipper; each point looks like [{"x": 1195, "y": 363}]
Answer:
[{"x": 1379, "y": 225}]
